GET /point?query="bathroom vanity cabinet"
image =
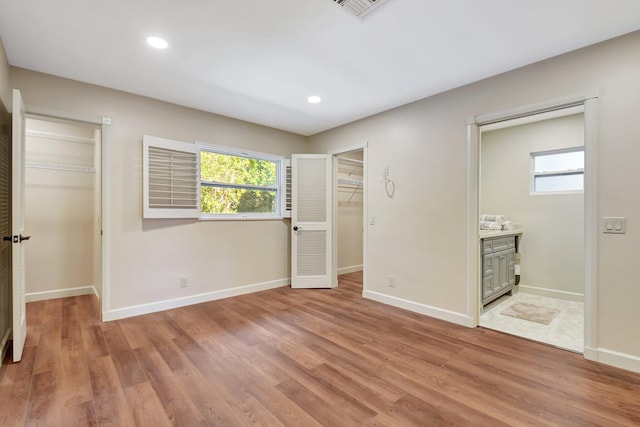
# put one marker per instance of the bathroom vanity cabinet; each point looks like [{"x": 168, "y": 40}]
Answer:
[{"x": 498, "y": 266}]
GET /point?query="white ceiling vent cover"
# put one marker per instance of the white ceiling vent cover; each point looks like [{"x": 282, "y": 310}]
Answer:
[{"x": 359, "y": 7}]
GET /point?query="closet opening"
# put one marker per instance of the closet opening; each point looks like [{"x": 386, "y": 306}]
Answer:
[
  {"x": 62, "y": 208},
  {"x": 349, "y": 212}
]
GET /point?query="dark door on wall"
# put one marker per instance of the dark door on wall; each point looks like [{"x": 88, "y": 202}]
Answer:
[{"x": 5, "y": 228}]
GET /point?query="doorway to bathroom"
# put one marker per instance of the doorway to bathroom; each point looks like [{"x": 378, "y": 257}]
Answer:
[{"x": 532, "y": 172}]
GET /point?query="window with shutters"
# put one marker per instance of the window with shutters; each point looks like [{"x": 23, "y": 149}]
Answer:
[
  {"x": 170, "y": 178},
  {"x": 187, "y": 180}
]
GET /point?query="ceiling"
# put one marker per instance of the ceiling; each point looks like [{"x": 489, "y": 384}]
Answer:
[{"x": 259, "y": 60}]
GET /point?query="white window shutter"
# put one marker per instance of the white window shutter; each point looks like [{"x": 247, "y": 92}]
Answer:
[
  {"x": 171, "y": 178},
  {"x": 285, "y": 188}
]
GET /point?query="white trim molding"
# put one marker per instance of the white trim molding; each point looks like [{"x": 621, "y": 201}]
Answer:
[
  {"x": 589, "y": 99},
  {"x": 61, "y": 293},
  {"x": 350, "y": 269},
  {"x": 613, "y": 358},
  {"x": 152, "y": 307},
  {"x": 427, "y": 310},
  {"x": 553, "y": 293}
]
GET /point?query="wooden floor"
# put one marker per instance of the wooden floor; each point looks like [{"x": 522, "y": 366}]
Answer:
[{"x": 295, "y": 358}]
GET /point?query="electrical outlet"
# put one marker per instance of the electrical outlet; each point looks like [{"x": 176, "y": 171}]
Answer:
[
  {"x": 184, "y": 281},
  {"x": 392, "y": 281}
]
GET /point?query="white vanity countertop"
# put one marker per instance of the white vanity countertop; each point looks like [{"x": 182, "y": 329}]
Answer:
[{"x": 485, "y": 234}]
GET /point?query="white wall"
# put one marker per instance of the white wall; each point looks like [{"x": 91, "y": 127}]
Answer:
[
  {"x": 5, "y": 87},
  {"x": 59, "y": 210},
  {"x": 552, "y": 245},
  {"x": 420, "y": 234},
  {"x": 349, "y": 220},
  {"x": 147, "y": 257}
]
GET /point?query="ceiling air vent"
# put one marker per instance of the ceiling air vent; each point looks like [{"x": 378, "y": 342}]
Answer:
[{"x": 359, "y": 7}]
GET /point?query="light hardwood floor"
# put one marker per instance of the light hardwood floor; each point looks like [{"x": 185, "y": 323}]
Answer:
[{"x": 297, "y": 358}]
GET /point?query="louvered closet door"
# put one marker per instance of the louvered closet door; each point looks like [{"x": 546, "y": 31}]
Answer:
[
  {"x": 17, "y": 226},
  {"x": 311, "y": 246}
]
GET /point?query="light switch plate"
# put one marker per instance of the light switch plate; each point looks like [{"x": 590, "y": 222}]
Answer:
[{"x": 614, "y": 225}]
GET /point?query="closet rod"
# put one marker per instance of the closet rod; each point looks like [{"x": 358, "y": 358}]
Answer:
[
  {"x": 60, "y": 167},
  {"x": 59, "y": 137},
  {"x": 352, "y": 161},
  {"x": 351, "y": 182}
]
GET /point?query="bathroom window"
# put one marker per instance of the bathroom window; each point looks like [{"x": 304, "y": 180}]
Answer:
[{"x": 558, "y": 171}]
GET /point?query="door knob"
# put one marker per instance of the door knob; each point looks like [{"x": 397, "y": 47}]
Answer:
[
  {"x": 24, "y": 237},
  {"x": 296, "y": 228}
]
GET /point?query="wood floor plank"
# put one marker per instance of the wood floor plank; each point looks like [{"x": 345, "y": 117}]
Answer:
[
  {"x": 145, "y": 406},
  {"x": 124, "y": 360},
  {"x": 308, "y": 357},
  {"x": 319, "y": 409},
  {"x": 44, "y": 407},
  {"x": 49, "y": 350},
  {"x": 177, "y": 405},
  {"x": 94, "y": 343},
  {"x": 15, "y": 388},
  {"x": 108, "y": 394}
]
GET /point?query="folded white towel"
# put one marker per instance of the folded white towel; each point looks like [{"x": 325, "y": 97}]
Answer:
[
  {"x": 490, "y": 225},
  {"x": 508, "y": 225},
  {"x": 500, "y": 219}
]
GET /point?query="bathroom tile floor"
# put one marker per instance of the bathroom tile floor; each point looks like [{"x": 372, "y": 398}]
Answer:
[{"x": 566, "y": 330}]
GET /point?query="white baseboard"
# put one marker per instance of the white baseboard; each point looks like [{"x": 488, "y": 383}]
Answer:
[
  {"x": 613, "y": 358},
  {"x": 61, "y": 293},
  {"x": 152, "y": 307},
  {"x": 351, "y": 269},
  {"x": 553, "y": 293},
  {"x": 416, "y": 307}
]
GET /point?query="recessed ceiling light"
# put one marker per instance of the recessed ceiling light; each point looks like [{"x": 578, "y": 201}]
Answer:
[
  {"x": 157, "y": 42},
  {"x": 314, "y": 99}
]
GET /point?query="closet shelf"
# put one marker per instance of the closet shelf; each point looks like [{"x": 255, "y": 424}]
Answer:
[
  {"x": 59, "y": 137},
  {"x": 60, "y": 167}
]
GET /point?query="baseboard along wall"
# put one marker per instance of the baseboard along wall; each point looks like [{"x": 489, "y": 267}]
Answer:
[
  {"x": 438, "y": 313},
  {"x": 553, "y": 293},
  {"x": 61, "y": 293},
  {"x": 137, "y": 310},
  {"x": 350, "y": 269}
]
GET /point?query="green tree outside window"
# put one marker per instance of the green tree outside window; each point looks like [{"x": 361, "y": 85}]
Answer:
[{"x": 235, "y": 184}]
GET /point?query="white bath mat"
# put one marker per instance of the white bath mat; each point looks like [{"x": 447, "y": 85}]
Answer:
[{"x": 531, "y": 312}]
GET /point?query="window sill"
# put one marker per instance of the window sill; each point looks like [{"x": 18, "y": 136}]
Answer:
[{"x": 240, "y": 217}]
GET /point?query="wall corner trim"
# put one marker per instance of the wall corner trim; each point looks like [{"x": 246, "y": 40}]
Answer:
[
  {"x": 152, "y": 307},
  {"x": 427, "y": 310}
]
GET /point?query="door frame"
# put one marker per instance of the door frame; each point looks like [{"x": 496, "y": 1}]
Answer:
[
  {"x": 365, "y": 229},
  {"x": 473, "y": 273},
  {"x": 104, "y": 125}
]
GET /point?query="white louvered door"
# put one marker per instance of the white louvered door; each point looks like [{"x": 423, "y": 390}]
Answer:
[
  {"x": 311, "y": 246},
  {"x": 17, "y": 226}
]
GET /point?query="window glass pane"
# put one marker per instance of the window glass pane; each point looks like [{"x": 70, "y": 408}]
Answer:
[
  {"x": 216, "y": 167},
  {"x": 550, "y": 183},
  {"x": 559, "y": 162},
  {"x": 216, "y": 200}
]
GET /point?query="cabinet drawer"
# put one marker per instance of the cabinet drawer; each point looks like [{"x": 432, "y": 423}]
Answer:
[
  {"x": 502, "y": 244},
  {"x": 498, "y": 244}
]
